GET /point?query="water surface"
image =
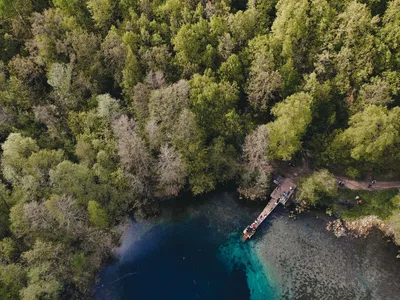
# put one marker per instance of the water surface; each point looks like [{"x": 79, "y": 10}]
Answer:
[{"x": 193, "y": 251}]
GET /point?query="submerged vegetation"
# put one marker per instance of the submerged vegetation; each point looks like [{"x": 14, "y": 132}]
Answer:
[{"x": 107, "y": 107}]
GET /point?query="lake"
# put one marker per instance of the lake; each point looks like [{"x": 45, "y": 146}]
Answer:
[{"x": 193, "y": 251}]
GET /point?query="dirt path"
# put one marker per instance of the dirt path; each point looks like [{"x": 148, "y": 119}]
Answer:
[
  {"x": 298, "y": 172},
  {"x": 363, "y": 185}
]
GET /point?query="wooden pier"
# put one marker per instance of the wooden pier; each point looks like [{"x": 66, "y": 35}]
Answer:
[{"x": 281, "y": 194}]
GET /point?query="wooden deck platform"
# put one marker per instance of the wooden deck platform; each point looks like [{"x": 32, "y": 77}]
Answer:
[
  {"x": 285, "y": 186},
  {"x": 281, "y": 194}
]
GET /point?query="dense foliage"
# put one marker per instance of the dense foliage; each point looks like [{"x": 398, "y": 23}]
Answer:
[
  {"x": 109, "y": 106},
  {"x": 319, "y": 185}
]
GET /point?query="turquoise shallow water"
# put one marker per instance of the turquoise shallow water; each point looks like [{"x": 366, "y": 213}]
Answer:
[
  {"x": 238, "y": 255},
  {"x": 194, "y": 251}
]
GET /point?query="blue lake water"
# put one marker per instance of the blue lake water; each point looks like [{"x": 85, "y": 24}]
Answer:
[{"x": 194, "y": 251}]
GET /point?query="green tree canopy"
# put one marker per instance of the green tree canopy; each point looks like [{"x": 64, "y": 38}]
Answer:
[
  {"x": 214, "y": 106},
  {"x": 317, "y": 186},
  {"x": 16, "y": 151},
  {"x": 97, "y": 215},
  {"x": 293, "y": 116},
  {"x": 373, "y": 135},
  {"x": 75, "y": 180}
]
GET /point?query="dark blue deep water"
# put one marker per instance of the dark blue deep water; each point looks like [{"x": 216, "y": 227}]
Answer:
[
  {"x": 193, "y": 254},
  {"x": 178, "y": 262},
  {"x": 193, "y": 251}
]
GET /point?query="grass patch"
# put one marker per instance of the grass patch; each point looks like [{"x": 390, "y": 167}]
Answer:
[{"x": 373, "y": 203}]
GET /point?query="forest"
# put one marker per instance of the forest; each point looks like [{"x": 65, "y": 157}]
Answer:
[{"x": 108, "y": 107}]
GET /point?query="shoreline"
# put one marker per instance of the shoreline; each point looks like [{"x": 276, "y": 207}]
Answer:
[
  {"x": 361, "y": 228},
  {"x": 358, "y": 228}
]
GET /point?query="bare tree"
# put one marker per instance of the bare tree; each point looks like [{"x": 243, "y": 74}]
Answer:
[
  {"x": 6, "y": 117},
  {"x": 25, "y": 69},
  {"x": 154, "y": 134},
  {"x": 138, "y": 185},
  {"x": 166, "y": 104},
  {"x": 171, "y": 171},
  {"x": 70, "y": 217},
  {"x": 38, "y": 218},
  {"x": 256, "y": 171},
  {"x": 99, "y": 243},
  {"x": 132, "y": 150},
  {"x": 59, "y": 77},
  {"x": 155, "y": 79},
  {"x": 48, "y": 115},
  {"x": 254, "y": 185},
  {"x": 255, "y": 148},
  {"x": 262, "y": 86}
]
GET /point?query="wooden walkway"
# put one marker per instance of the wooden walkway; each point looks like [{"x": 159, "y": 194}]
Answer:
[{"x": 281, "y": 194}]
